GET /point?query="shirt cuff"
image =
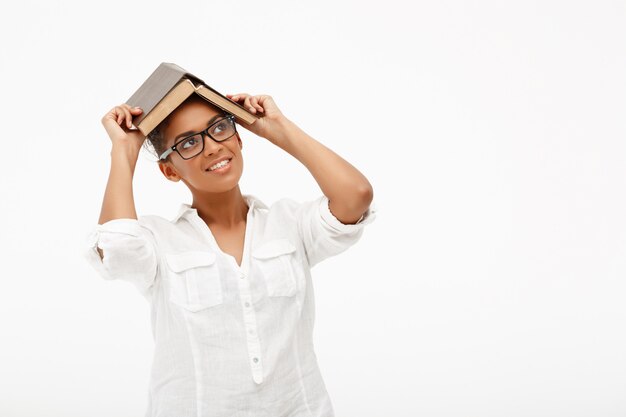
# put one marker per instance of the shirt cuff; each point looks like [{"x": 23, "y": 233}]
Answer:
[
  {"x": 126, "y": 226},
  {"x": 333, "y": 222}
]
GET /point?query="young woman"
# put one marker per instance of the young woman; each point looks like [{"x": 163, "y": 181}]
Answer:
[{"x": 228, "y": 279}]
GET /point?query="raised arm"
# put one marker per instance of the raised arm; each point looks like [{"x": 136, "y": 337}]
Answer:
[
  {"x": 348, "y": 191},
  {"x": 118, "y": 202}
]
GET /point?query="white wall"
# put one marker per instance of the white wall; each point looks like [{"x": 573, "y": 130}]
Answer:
[{"x": 492, "y": 281}]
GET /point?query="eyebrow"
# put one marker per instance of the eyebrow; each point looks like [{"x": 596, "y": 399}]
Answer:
[{"x": 189, "y": 132}]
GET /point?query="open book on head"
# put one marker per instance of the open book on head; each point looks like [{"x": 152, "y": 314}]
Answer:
[{"x": 167, "y": 87}]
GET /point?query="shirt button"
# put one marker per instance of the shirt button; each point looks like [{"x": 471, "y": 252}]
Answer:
[
  {"x": 250, "y": 331},
  {"x": 247, "y": 304},
  {"x": 255, "y": 360},
  {"x": 242, "y": 275}
]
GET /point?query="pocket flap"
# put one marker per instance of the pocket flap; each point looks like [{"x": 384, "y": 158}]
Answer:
[
  {"x": 273, "y": 248},
  {"x": 191, "y": 259}
]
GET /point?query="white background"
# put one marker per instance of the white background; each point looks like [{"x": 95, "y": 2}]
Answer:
[{"x": 491, "y": 283}]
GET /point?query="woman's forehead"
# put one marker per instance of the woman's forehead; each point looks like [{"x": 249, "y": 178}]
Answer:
[{"x": 189, "y": 118}]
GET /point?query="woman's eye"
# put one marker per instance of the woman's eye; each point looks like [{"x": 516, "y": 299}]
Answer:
[
  {"x": 189, "y": 142},
  {"x": 219, "y": 127}
]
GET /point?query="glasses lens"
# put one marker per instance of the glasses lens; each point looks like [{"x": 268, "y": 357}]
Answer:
[
  {"x": 222, "y": 129},
  {"x": 190, "y": 147}
]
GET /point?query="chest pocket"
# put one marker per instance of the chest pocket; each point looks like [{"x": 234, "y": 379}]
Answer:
[
  {"x": 279, "y": 265},
  {"x": 194, "y": 280}
]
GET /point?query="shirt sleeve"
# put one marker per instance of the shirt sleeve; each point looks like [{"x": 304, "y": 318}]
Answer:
[
  {"x": 129, "y": 252},
  {"x": 323, "y": 235}
]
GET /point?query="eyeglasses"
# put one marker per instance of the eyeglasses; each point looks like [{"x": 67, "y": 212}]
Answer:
[{"x": 193, "y": 145}]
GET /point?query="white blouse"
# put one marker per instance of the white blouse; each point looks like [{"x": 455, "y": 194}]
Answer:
[{"x": 230, "y": 340}]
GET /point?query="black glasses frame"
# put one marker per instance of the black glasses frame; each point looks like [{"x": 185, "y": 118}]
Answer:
[{"x": 202, "y": 134}]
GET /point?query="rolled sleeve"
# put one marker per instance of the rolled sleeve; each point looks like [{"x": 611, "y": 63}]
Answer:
[
  {"x": 129, "y": 252},
  {"x": 323, "y": 235},
  {"x": 333, "y": 222}
]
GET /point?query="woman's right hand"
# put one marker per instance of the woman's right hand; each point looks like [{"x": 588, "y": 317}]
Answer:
[{"x": 118, "y": 121}]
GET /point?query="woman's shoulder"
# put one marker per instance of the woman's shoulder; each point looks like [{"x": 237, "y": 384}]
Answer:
[
  {"x": 294, "y": 203},
  {"x": 282, "y": 205},
  {"x": 310, "y": 203},
  {"x": 289, "y": 207},
  {"x": 153, "y": 221}
]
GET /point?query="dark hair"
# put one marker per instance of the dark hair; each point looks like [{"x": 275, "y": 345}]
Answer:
[{"x": 155, "y": 140}]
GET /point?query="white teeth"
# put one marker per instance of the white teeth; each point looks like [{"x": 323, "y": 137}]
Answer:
[{"x": 219, "y": 164}]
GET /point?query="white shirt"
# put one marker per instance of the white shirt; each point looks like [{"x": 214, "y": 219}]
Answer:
[{"x": 230, "y": 341}]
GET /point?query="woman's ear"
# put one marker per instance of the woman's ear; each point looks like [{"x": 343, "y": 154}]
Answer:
[{"x": 168, "y": 170}]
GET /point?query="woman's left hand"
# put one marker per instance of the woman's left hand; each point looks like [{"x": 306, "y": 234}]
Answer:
[{"x": 270, "y": 117}]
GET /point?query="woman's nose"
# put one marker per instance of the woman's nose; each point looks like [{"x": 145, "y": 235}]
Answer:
[{"x": 211, "y": 146}]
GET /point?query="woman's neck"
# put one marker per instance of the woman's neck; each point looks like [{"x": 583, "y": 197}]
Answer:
[{"x": 225, "y": 210}]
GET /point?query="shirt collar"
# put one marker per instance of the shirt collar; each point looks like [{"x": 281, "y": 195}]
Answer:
[{"x": 253, "y": 201}]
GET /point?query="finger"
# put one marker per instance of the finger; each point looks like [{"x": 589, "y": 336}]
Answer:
[
  {"x": 133, "y": 111},
  {"x": 257, "y": 103},
  {"x": 248, "y": 104},
  {"x": 127, "y": 116},
  {"x": 239, "y": 96},
  {"x": 120, "y": 115},
  {"x": 109, "y": 116},
  {"x": 126, "y": 108},
  {"x": 252, "y": 104}
]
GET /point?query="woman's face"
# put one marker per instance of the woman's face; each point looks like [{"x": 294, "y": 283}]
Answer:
[{"x": 190, "y": 117}]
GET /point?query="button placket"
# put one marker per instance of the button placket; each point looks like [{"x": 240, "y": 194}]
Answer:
[{"x": 254, "y": 348}]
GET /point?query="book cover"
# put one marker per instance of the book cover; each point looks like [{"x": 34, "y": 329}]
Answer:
[{"x": 167, "y": 87}]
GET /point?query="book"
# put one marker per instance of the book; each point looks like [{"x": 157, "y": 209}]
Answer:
[{"x": 167, "y": 87}]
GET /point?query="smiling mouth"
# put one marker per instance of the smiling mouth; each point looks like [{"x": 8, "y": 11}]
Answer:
[{"x": 219, "y": 167}]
